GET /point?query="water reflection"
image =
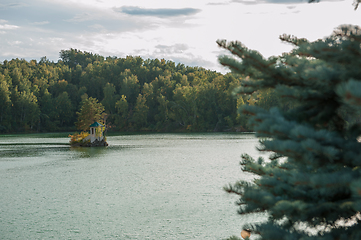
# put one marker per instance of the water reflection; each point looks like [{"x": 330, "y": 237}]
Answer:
[
  {"x": 89, "y": 152},
  {"x": 29, "y": 149}
]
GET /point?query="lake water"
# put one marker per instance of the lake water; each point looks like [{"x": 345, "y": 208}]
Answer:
[{"x": 152, "y": 186}]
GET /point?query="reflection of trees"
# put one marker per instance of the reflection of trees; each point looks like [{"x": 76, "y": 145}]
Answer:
[{"x": 89, "y": 152}]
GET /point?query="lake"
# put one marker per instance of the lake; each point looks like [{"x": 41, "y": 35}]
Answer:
[{"x": 145, "y": 186}]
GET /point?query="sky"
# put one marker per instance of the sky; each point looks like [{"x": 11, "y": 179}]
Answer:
[{"x": 183, "y": 31}]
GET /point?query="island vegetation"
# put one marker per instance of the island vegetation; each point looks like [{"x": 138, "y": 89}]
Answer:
[{"x": 136, "y": 94}]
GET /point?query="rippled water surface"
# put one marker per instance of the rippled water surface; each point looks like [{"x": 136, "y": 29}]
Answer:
[{"x": 153, "y": 186}]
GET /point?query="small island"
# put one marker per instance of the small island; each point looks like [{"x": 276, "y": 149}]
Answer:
[
  {"x": 94, "y": 138},
  {"x": 89, "y": 116}
]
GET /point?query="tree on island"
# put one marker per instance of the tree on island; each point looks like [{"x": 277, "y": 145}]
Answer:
[
  {"x": 91, "y": 111},
  {"x": 310, "y": 187}
]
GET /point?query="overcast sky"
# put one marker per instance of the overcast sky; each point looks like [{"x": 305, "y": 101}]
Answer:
[{"x": 182, "y": 31}]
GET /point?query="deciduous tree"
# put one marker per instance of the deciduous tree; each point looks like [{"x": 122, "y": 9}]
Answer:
[
  {"x": 5, "y": 103},
  {"x": 122, "y": 107},
  {"x": 90, "y": 111},
  {"x": 140, "y": 112},
  {"x": 63, "y": 109}
]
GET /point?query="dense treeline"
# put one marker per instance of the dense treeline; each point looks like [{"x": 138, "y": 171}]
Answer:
[{"x": 138, "y": 94}]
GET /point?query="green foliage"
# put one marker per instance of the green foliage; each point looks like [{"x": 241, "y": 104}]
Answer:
[
  {"x": 64, "y": 109},
  {"x": 174, "y": 97},
  {"x": 162, "y": 117},
  {"x": 74, "y": 57},
  {"x": 90, "y": 111},
  {"x": 310, "y": 186},
  {"x": 123, "y": 112},
  {"x": 26, "y": 108},
  {"x": 110, "y": 98},
  {"x": 5, "y": 103},
  {"x": 140, "y": 112}
]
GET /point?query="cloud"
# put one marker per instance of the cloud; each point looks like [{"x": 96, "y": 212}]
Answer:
[
  {"x": 8, "y": 27},
  {"x": 43, "y": 28},
  {"x": 183, "y": 32},
  {"x": 178, "y": 53},
  {"x": 41, "y": 23},
  {"x": 82, "y": 17},
  {"x": 176, "y": 48},
  {"x": 97, "y": 27},
  {"x": 58, "y": 19},
  {"x": 181, "y": 53},
  {"x": 194, "y": 61},
  {"x": 157, "y": 12},
  {"x": 255, "y": 2},
  {"x": 218, "y": 3},
  {"x": 11, "y": 5},
  {"x": 5, "y": 26}
]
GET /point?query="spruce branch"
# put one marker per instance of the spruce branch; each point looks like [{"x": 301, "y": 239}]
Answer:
[
  {"x": 293, "y": 40},
  {"x": 311, "y": 180}
]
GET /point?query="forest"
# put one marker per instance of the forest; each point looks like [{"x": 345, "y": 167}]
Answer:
[{"x": 137, "y": 95}]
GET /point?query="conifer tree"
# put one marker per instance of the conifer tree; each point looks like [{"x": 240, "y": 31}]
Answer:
[{"x": 310, "y": 187}]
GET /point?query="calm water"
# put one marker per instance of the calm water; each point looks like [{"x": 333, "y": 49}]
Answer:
[{"x": 154, "y": 186}]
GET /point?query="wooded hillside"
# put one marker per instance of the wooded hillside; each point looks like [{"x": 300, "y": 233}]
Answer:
[{"x": 138, "y": 94}]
